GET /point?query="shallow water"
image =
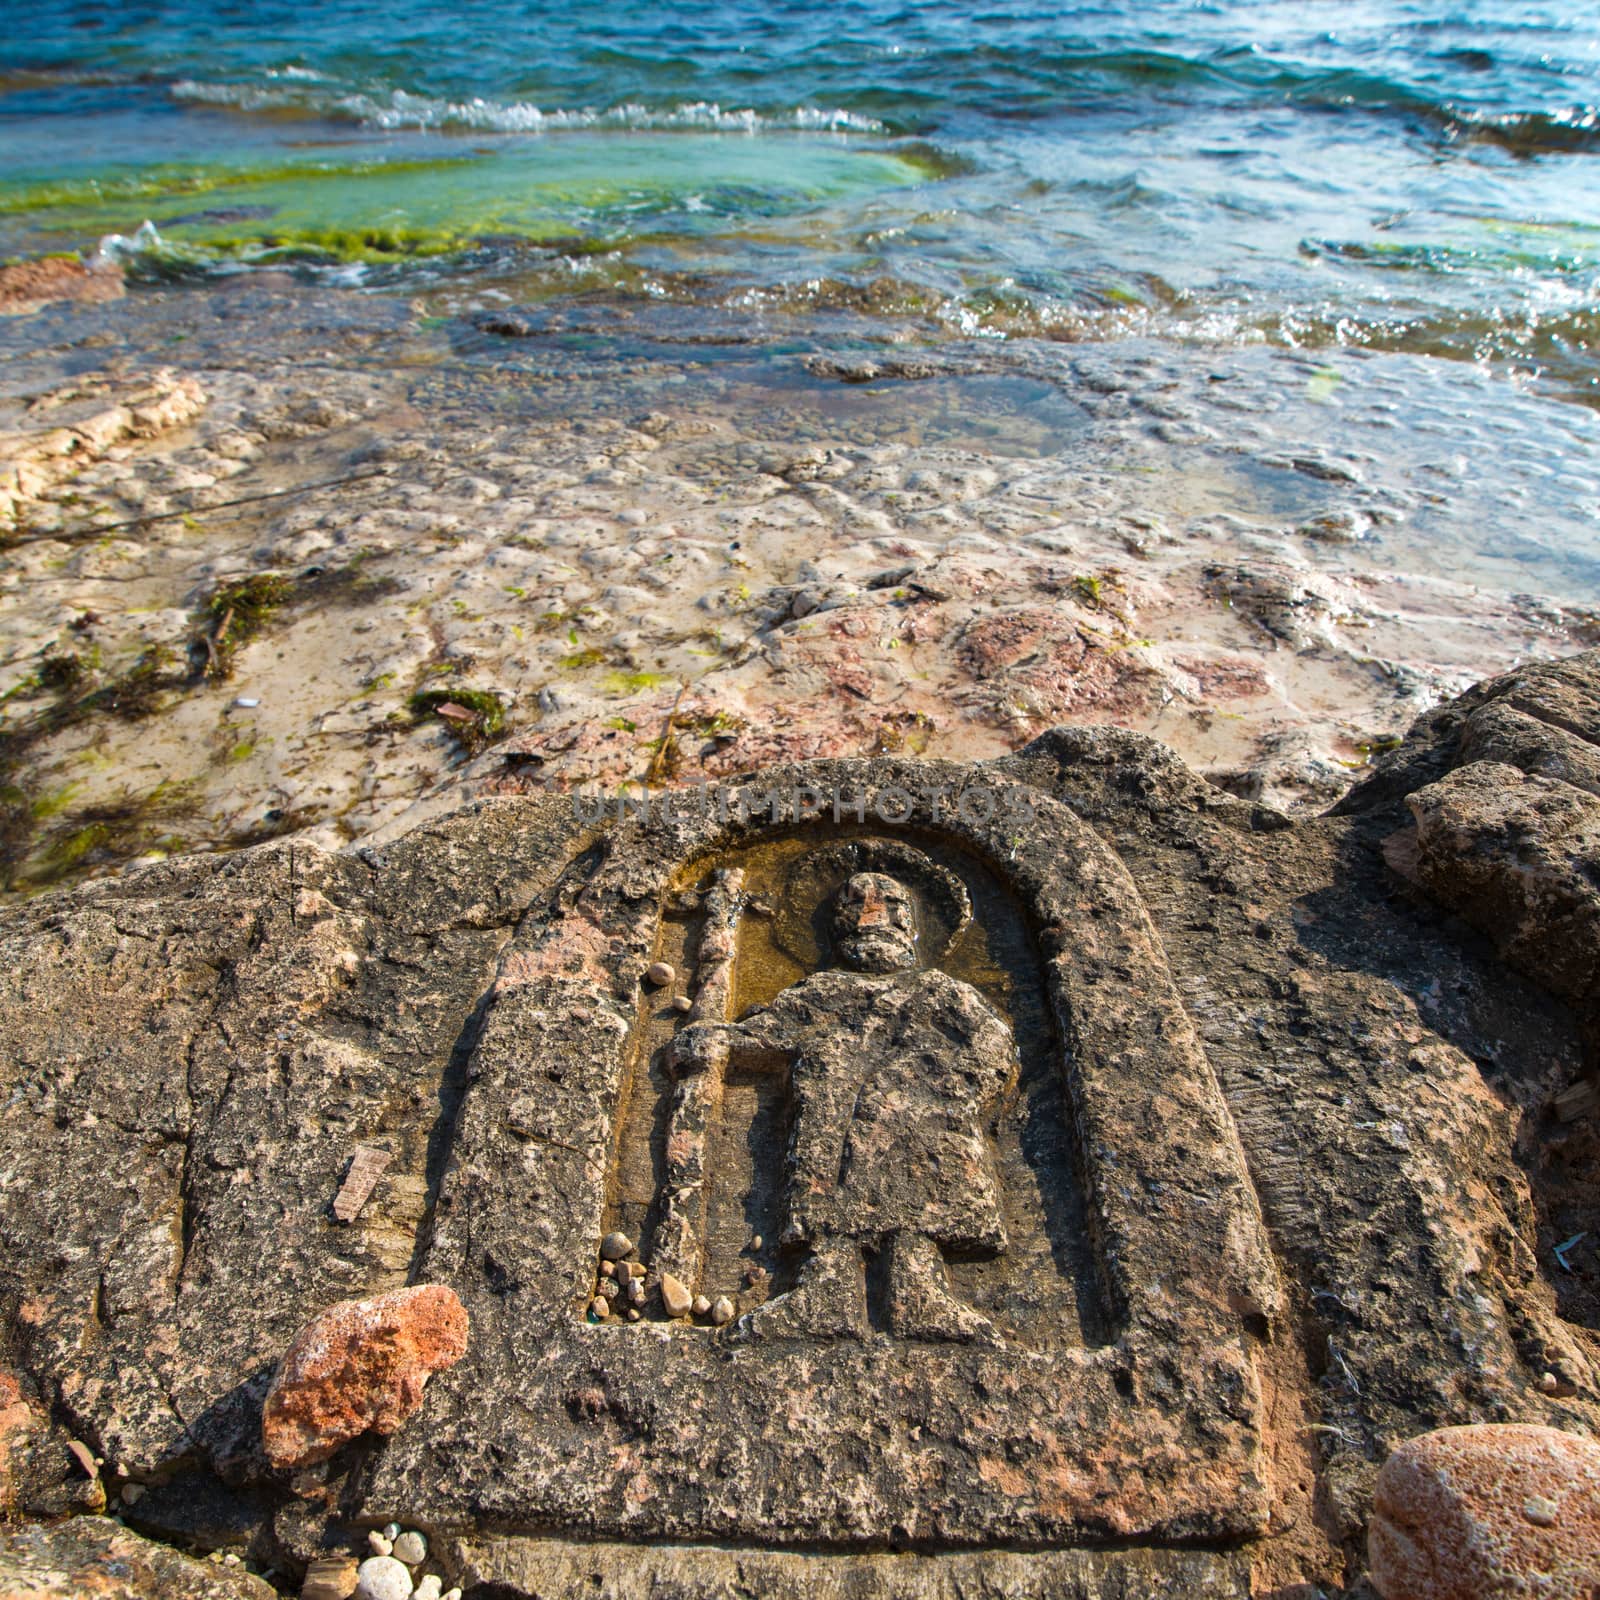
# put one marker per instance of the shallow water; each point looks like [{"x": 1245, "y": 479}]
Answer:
[
  {"x": 1222, "y": 372},
  {"x": 1380, "y": 174}
]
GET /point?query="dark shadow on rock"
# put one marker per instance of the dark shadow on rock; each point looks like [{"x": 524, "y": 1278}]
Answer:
[{"x": 1527, "y": 1044}]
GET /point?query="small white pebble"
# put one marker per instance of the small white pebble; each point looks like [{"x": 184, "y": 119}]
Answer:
[
  {"x": 383, "y": 1578},
  {"x": 427, "y": 1587},
  {"x": 598, "y": 1306},
  {"x": 247, "y": 702},
  {"x": 661, "y": 973},
  {"x": 451, "y": 1594},
  {"x": 722, "y": 1310},
  {"x": 701, "y": 1305},
  {"x": 411, "y": 1547},
  {"x": 1540, "y": 1510},
  {"x": 380, "y": 1542}
]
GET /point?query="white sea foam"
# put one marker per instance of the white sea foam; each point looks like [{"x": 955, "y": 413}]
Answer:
[
  {"x": 401, "y": 109},
  {"x": 120, "y": 247}
]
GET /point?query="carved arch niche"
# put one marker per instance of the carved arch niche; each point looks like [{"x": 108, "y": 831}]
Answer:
[{"x": 1122, "y": 1400}]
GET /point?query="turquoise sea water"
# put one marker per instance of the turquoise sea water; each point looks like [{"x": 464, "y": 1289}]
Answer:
[{"x": 1416, "y": 177}]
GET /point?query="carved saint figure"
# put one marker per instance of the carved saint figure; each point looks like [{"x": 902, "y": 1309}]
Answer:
[{"x": 894, "y": 1074}]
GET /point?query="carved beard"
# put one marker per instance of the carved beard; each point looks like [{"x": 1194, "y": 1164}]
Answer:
[{"x": 878, "y": 950}]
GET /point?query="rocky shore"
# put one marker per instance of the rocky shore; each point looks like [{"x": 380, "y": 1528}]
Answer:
[
  {"x": 280, "y": 561},
  {"x": 1303, "y": 1125}
]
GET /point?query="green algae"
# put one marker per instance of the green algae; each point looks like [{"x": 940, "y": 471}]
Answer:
[
  {"x": 234, "y": 615},
  {"x": 633, "y": 682},
  {"x": 563, "y": 194},
  {"x": 484, "y": 716}
]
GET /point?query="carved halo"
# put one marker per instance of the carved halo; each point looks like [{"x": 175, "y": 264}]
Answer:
[{"x": 943, "y": 904}]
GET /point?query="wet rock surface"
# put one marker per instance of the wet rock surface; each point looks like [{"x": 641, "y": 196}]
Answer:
[
  {"x": 1225, "y": 1147},
  {"x": 27, "y": 286},
  {"x": 496, "y": 564}
]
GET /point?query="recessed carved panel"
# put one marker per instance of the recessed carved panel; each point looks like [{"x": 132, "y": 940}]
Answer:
[{"x": 920, "y": 1105}]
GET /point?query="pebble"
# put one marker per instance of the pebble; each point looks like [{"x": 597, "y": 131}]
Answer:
[
  {"x": 675, "y": 1295},
  {"x": 247, "y": 702},
  {"x": 598, "y": 1307},
  {"x": 1540, "y": 1510},
  {"x": 626, "y": 1272},
  {"x": 383, "y": 1578},
  {"x": 380, "y": 1542},
  {"x": 661, "y": 973},
  {"x": 636, "y": 1291},
  {"x": 682, "y": 1002},
  {"x": 427, "y": 1587},
  {"x": 391, "y": 1530},
  {"x": 633, "y": 1313},
  {"x": 411, "y": 1547},
  {"x": 722, "y": 1310},
  {"x": 756, "y": 1241},
  {"x": 608, "y": 1269},
  {"x": 132, "y": 1493},
  {"x": 701, "y": 1305},
  {"x": 609, "y": 1289},
  {"x": 615, "y": 1246}
]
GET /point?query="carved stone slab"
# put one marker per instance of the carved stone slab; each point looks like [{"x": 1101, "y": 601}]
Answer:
[{"x": 861, "y": 1436}]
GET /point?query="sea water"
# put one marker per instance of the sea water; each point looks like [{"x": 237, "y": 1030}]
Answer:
[{"x": 1310, "y": 173}]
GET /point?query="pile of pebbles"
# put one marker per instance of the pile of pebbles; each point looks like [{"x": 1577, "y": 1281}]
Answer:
[
  {"x": 391, "y": 1572},
  {"x": 624, "y": 1287}
]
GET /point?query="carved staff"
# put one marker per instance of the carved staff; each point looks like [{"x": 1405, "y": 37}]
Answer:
[{"x": 680, "y": 1236}]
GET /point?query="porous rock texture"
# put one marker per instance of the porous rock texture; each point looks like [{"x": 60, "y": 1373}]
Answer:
[
  {"x": 1280, "y": 1173},
  {"x": 1482, "y": 1512},
  {"x": 360, "y": 1365},
  {"x": 96, "y": 1558}
]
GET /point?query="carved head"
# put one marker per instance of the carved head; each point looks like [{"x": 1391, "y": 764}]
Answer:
[{"x": 875, "y": 923}]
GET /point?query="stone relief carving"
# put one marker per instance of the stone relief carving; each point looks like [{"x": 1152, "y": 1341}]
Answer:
[{"x": 891, "y": 1071}]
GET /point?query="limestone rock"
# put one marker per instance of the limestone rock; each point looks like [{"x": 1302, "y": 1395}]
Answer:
[
  {"x": 1488, "y": 1511},
  {"x": 361, "y": 1365},
  {"x": 95, "y": 1558}
]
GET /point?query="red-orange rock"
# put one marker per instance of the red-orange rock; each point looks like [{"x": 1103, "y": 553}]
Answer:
[
  {"x": 361, "y": 1365},
  {"x": 27, "y": 285},
  {"x": 1492, "y": 1512}
]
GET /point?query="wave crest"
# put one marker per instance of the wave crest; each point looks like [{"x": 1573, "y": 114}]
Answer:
[{"x": 402, "y": 109}]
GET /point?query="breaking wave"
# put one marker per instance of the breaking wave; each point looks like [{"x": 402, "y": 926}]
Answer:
[{"x": 309, "y": 94}]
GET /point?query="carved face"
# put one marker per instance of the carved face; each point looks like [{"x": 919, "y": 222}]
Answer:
[{"x": 875, "y": 923}]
